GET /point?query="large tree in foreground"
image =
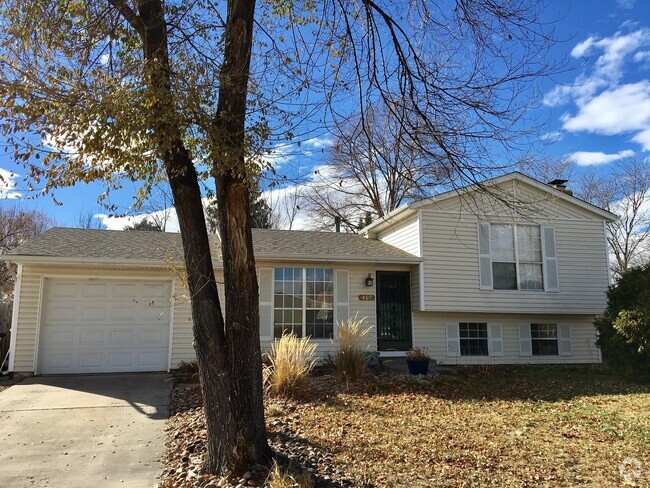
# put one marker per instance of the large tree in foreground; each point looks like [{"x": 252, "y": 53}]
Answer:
[{"x": 117, "y": 90}]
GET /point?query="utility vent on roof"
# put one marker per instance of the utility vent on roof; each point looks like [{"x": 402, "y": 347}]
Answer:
[{"x": 560, "y": 185}]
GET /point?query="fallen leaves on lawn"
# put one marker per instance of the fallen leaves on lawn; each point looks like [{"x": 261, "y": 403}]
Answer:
[{"x": 562, "y": 427}]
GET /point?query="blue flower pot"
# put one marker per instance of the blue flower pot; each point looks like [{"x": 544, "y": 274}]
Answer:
[{"x": 418, "y": 367}]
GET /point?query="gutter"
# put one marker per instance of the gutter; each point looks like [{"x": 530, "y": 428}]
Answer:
[
  {"x": 147, "y": 263},
  {"x": 155, "y": 264},
  {"x": 340, "y": 259},
  {"x": 391, "y": 218}
]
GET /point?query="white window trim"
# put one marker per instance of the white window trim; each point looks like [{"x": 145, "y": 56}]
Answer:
[
  {"x": 557, "y": 339},
  {"x": 488, "y": 339},
  {"x": 304, "y": 304},
  {"x": 517, "y": 267}
]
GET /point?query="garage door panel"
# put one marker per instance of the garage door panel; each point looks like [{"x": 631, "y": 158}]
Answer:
[
  {"x": 152, "y": 337},
  {"x": 121, "y": 359},
  {"x": 57, "y": 362},
  {"x": 125, "y": 290},
  {"x": 121, "y": 313},
  {"x": 62, "y": 314},
  {"x": 83, "y": 331},
  {"x": 59, "y": 289},
  {"x": 89, "y": 338},
  {"x": 150, "y": 359},
  {"x": 94, "y": 290},
  {"x": 121, "y": 337},
  {"x": 93, "y": 314},
  {"x": 154, "y": 314},
  {"x": 90, "y": 360}
]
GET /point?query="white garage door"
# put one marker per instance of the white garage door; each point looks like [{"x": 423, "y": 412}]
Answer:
[{"x": 104, "y": 326}]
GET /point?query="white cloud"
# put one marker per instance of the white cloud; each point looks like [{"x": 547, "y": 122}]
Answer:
[
  {"x": 641, "y": 56},
  {"x": 119, "y": 223},
  {"x": 628, "y": 4},
  {"x": 582, "y": 48},
  {"x": 643, "y": 138},
  {"x": 616, "y": 111},
  {"x": 607, "y": 69},
  {"x": 592, "y": 158},
  {"x": 8, "y": 184}
]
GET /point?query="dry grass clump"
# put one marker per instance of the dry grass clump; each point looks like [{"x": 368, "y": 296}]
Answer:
[
  {"x": 291, "y": 360},
  {"x": 288, "y": 478},
  {"x": 351, "y": 360}
]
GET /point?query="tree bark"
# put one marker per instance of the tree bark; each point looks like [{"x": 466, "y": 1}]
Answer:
[
  {"x": 229, "y": 363},
  {"x": 233, "y": 202}
]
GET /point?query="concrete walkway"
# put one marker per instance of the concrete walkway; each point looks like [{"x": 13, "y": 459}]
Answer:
[{"x": 83, "y": 431}]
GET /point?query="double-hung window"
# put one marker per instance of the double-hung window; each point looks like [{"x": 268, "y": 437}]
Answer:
[
  {"x": 543, "y": 339},
  {"x": 303, "y": 302},
  {"x": 512, "y": 257},
  {"x": 473, "y": 338}
]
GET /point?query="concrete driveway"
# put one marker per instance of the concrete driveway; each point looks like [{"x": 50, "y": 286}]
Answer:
[{"x": 83, "y": 431}]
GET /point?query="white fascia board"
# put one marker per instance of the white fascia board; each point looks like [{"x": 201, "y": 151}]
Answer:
[
  {"x": 392, "y": 218},
  {"x": 608, "y": 216}
]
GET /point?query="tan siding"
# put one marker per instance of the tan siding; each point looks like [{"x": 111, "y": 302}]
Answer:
[
  {"x": 452, "y": 269},
  {"x": 362, "y": 309},
  {"x": 183, "y": 337},
  {"x": 429, "y": 330},
  {"x": 532, "y": 202},
  {"x": 404, "y": 235},
  {"x": 27, "y": 320}
]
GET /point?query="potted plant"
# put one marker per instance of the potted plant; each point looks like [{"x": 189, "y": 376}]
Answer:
[{"x": 417, "y": 360}]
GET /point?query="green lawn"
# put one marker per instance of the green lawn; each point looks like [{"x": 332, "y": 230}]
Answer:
[{"x": 491, "y": 427}]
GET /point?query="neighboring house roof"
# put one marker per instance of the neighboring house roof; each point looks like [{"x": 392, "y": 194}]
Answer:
[
  {"x": 409, "y": 209},
  {"x": 150, "y": 248}
]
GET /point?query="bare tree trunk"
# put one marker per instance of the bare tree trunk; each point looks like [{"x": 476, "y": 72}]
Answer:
[
  {"x": 233, "y": 201},
  {"x": 227, "y": 406}
]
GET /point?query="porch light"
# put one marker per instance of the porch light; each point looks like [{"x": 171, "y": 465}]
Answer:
[{"x": 369, "y": 280}]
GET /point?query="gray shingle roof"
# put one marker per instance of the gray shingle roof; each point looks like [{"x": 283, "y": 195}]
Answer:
[{"x": 132, "y": 245}]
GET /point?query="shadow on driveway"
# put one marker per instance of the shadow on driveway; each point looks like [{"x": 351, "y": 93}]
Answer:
[{"x": 90, "y": 430}]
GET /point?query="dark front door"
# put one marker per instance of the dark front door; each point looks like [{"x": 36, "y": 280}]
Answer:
[{"x": 393, "y": 310}]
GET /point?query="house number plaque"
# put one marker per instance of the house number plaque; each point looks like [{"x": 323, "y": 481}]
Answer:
[{"x": 367, "y": 298}]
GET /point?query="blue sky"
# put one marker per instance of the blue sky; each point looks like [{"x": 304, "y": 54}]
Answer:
[{"x": 598, "y": 113}]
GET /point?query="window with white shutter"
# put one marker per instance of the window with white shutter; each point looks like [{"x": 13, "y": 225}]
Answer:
[
  {"x": 453, "y": 343},
  {"x": 564, "y": 339},
  {"x": 496, "y": 340},
  {"x": 525, "y": 348},
  {"x": 551, "y": 282},
  {"x": 517, "y": 257},
  {"x": 265, "y": 284}
]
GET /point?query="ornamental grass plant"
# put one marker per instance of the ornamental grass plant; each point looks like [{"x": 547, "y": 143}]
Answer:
[
  {"x": 351, "y": 357},
  {"x": 290, "y": 361}
]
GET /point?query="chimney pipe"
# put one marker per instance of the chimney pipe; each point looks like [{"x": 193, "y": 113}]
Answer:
[{"x": 337, "y": 223}]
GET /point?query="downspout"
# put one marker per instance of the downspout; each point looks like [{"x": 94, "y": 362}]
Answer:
[{"x": 14, "y": 320}]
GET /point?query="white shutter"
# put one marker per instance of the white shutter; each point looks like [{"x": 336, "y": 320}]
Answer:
[
  {"x": 525, "y": 346},
  {"x": 265, "y": 284},
  {"x": 342, "y": 307},
  {"x": 551, "y": 282},
  {"x": 484, "y": 257},
  {"x": 496, "y": 340},
  {"x": 564, "y": 340},
  {"x": 453, "y": 340}
]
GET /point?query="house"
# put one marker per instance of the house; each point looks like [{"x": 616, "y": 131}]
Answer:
[{"x": 511, "y": 271}]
